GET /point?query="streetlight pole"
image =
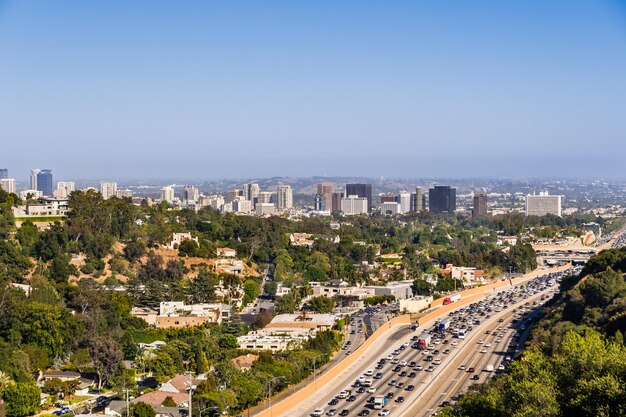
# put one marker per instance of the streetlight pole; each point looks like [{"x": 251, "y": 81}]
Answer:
[
  {"x": 269, "y": 397},
  {"x": 314, "y": 371}
]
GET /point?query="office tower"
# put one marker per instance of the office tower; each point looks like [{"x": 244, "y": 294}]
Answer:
[
  {"x": 284, "y": 197},
  {"x": 33, "y": 178},
  {"x": 4, "y": 173},
  {"x": 480, "y": 205},
  {"x": 44, "y": 182},
  {"x": 417, "y": 200},
  {"x": 405, "y": 202},
  {"x": 232, "y": 195},
  {"x": 336, "y": 202},
  {"x": 354, "y": 204},
  {"x": 442, "y": 199},
  {"x": 242, "y": 206},
  {"x": 318, "y": 204},
  {"x": 167, "y": 193},
  {"x": 361, "y": 190},
  {"x": 388, "y": 198},
  {"x": 108, "y": 189},
  {"x": 325, "y": 189},
  {"x": 251, "y": 191},
  {"x": 390, "y": 208},
  {"x": 8, "y": 184},
  {"x": 265, "y": 208},
  {"x": 264, "y": 197},
  {"x": 126, "y": 193},
  {"x": 64, "y": 189},
  {"x": 543, "y": 204},
  {"x": 192, "y": 194}
]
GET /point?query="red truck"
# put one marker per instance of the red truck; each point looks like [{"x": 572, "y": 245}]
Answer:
[{"x": 451, "y": 299}]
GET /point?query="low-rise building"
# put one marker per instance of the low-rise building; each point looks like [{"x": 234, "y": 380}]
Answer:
[
  {"x": 226, "y": 253},
  {"x": 401, "y": 290},
  {"x": 415, "y": 304},
  {"x": 178, "y": 238}
]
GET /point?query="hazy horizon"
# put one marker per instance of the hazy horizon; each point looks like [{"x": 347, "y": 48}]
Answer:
[{"x": 408, "y": 89}]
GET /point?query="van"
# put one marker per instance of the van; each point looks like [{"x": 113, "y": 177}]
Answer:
[{"x": 489, "y": 368}]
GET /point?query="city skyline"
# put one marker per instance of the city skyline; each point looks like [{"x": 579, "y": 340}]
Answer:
[{"x": 406, "y": 89}]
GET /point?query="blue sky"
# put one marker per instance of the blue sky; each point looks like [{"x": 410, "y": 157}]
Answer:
[{"x": 212, "y": 89}]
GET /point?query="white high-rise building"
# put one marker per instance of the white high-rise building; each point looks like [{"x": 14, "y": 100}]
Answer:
[
  {"x": 390, "y": 208},
  {"x": 405, "y": 202},
  {"x": 8, "y": 184},
  {"x": 64, "y": 189},
  {"x": 264, "y": 197},
  {"x": 124, "y": 193},
  {"x": 167, "y": 194},
  {"x": 242, "y": 206},
  {"x": 192, "y": 194},
  {"x": 265, "y": 208},
  {"x": 543, "y": 204},
  {"x": 108, "y": 189},
  {"x": 33, "y": 178},
  {"x": 284, "y": 197},
  {"x": 251, "y": 191},
  {"x": 354, "y": 204}
]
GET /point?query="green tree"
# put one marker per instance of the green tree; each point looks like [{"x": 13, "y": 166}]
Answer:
[
  {"x": 141, "y": 409},
  {"x": 21, "y": 399},
  {"x": 321, "y": 304}
]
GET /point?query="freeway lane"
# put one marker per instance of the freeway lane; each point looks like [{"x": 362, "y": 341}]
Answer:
[
  {"x": 422, "y": 380},
  {"x": 455, "y": 380}
]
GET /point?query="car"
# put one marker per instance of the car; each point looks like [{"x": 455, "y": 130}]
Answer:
[
  {"x": 399, "y": 399},
  {"x": 446, "y": 352},
  {"x": 484, "y": 350},
  {"x": 334, "y": 401},
  {"x": 331, "y": 412},
  {"x": 461, "y": 367},
  {"x": 379, "y": 375},
  {"x": 364, "y": 412},
  {"x": 319, "y": 412},
  {"x": 430, "y": 368},
  {"x": 384, "y": 412},
  {"x": 361, "y": 390},
  {"x": 454, "y": 343},
  {"x": 470, "y": 370},
  {"x": 351, "y": 398},
  {"x": 437, "y": 362},
  {"x": 429, "y": 358},
  {"x": 390, "y": 395},
  {"x": 400, "y": 385},
  {"x": 369, "y": 372},
  {"x": 501, "y": 368},
  {"x": 480, "y": 341},
  {"x": 418, "y": 368},
  {"x": 498, "y": 340},
  {"x": 352, "y": 332},
  {"x": 444, "y": 404},
  {"x": 403, "y": 363},
  {"x": 475, "y": 377},
  {"x": 410, "y": 387},
  {"x": 403, "y": 373},
  {"x": 412, "y": 375},
  {"x": 487, "y": 344},
  {"x": 392, "y": 383},
  {"x": 507, "y": 358}
]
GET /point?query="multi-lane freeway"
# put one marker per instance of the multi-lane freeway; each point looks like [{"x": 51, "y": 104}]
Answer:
[{"x": 414, "y": 381}]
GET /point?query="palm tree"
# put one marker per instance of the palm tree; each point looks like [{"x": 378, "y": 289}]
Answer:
[{"x": 5, "y": 379}]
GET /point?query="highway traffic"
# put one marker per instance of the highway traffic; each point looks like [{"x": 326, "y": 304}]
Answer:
[{"x": 392, "y": 377}]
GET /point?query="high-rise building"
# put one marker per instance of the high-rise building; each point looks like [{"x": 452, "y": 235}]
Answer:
[
  {"x": 480, "y": 205},
  {"x": 232, "y": 195},
  {"x": 167, "y": 193},
  {"x": 4, "y": 173},
  {"x": 318, "y": 203},
  {"x": 265, "y": 208},
  {"x": 64, "y": 189},
  {"x": 33, "y": 178},
  {"x": 44, "y": 182},
  {"x": 389, "y": 198},
  {"x": 354, "y": 204},
  {"x": 405, "y": 202},
  {"x": 192, "y": 194},
  {"x": 108, "y": 189},
  {"x": 543, "y": 204},
  {"x": 251, "y": 191},
  {"x": 125, "y": 193},
  {"x": 8, "y": 184},
  {"x": 361, "y": 190},
  {"x": 264, "y": 197},
  {"x": 336, "y": 202},
  {"x": 284, "y": 197},
  {"x": 442, "y": 199},
  {"x": 390, "y": 208},
  {"x": 417, "y": 200},
  {"x": 325, "y": 189}
]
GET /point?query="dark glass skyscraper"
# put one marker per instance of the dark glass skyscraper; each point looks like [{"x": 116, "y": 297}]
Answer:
[
  {"x": 361, "y": 190},
  {"x": 4, "y": 173},
  {"x": 44, "y": 182},
  {"x": 480, "y": 205},
  {"x": 442, "y": 199}
]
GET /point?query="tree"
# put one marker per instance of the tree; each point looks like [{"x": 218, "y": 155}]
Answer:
[
  {"x": 106, "y": 356},
  {"x": 228, "y": 341},
  {"x": 21, "y": 399},
  {"x": 286, "y": 304},
  {"x": 134, "y": 250},
  {"x": 169, "y": 402},
  {"x": 252, "y": 289},
  {"x": 321, "y": 304},
  {"x": 141, "y": 409},
  {"x": 422, "y": 287},
  {"x": 188, "y": 247}
]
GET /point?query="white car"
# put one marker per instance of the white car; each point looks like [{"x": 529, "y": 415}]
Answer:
[
  {"x": 454, "y": 343},
  {"x": 384, "y": 412},
  {"x": 425, "y": 352},
  {"x": 369, "y": 372},
  {"x": 319, "y": 412},
  {"x": 402, "y": 363},
  {"x": 462, "y": 367},
  {"x": 487, "y": 344},
  {"x": 481, "y": 341},
  {"x": 437, "y": 362},
  {"x": 484, "y": 350},
  {"x": 371, "y": 390}
]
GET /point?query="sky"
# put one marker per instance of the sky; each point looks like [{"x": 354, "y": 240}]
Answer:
[{"x": 236, "y": 89}]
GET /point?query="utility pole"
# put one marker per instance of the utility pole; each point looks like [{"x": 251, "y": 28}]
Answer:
[
  {"x": 190, "y": 391},
  {"x": 127, "y": 404},
  {"x": 314, "y": 373},
  {"x": 270, "y": 392}
]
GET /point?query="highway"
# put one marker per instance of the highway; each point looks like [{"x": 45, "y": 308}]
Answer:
[{"x": 430, "y": 388}]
